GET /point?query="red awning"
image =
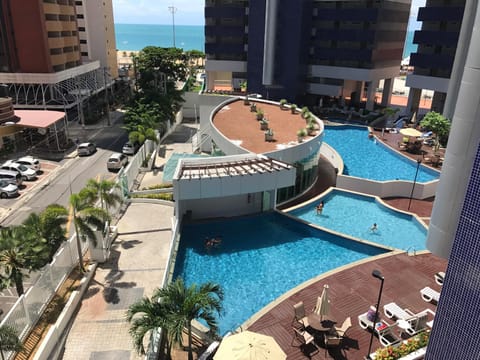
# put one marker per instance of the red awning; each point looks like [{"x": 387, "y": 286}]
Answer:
[{"x": 38, "y": 118}]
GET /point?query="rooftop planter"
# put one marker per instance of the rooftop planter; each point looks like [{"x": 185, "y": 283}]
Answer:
[
  {"x": 293, "y": 108},
  {"x": 283, "y": 103},
  {"x": 269, "y": 135},
  {"x": 311, "y": 127},
  {"x": 304, "y": 111},
  {"x": 301, "y": 135},
  {"x": 264, "y": 124},
  {"x": 253, "y": 107},
  {"x": 259, "y": 114},
  {"x": 412, "y": 348}
]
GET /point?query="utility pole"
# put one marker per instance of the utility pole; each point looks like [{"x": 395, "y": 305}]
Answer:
[
  {"x": 105, "y": 73},
  {"x": 173, "y": 10}
]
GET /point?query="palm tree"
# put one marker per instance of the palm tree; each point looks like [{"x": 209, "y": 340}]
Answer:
[
  {"x": 141, "y": 134},
  {"x": 86, "y": 219},
  {"x": 178, "y": 306},
  {"x": 145, "y": 316},
  {"x": 49, "y": 225},
  {"x": 103, "y": 191},
  {"x": 20, "y": 250},
  {"x": 9, "y": 340}
]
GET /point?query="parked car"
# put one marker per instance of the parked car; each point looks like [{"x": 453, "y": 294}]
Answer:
[
  {"x": 116, "y": 161},
  {"x": 8, "y": 189},
  {"x": 85, "y": 149},
  {"x": 130, "y": 148},
  {"x": 30, "y": 162},
  {"x": 13, "y": 177},
  {"x": 25, "y": 172}
]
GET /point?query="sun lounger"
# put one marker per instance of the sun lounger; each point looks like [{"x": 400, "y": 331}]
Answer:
[
  {"x": 392, "y": 310},
  {"x": 428, "y": 294},
  {"x": 439, "y": 276}
]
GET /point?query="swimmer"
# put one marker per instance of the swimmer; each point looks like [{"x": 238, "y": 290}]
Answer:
[
  {"x": 319, "y": 207},
  {"x": 374, "y": 227}
]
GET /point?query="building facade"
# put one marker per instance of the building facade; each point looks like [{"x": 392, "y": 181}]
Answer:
[
  {"x": 455, "y": 223},
  {"x": 41, "y": 52},
  {"x": 307, "y": 49},
  {"x": 437, "y": 43}
]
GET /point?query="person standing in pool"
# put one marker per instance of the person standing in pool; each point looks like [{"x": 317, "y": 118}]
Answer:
[{"x": 319, "y": 207}]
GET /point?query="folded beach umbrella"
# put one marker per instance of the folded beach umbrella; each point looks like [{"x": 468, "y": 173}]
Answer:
[{"x": 324, "y": 308}]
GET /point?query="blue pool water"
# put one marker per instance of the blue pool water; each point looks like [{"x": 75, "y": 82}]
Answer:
[
  {"x": 171, "y": 165},
  {"x": 354, "y": 214},
  {"x": 260, "y": 258},
  {"x": 368, "y": 159}
]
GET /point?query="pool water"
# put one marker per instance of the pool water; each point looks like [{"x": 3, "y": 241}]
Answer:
[
  {"x": 353, "y": 214},
  {"x": 261, "y": 257},
  {"x": 366, "y": 158}
]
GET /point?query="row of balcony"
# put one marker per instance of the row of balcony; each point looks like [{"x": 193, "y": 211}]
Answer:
[
  {"x": 447, "y": 38},
  {"x": 433, "y": 13}
]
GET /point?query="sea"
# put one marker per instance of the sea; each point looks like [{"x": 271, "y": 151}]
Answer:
[{"x": 134, "y": 37}]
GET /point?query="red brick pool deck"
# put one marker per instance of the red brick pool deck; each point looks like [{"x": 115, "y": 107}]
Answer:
[{"x": 352, "y": 288}]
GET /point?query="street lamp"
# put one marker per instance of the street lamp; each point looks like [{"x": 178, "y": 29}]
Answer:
[
  {"x": 173, "y": 10},
  {"x": 376, "y": 274},
  {"x": 419, "y": 161}
]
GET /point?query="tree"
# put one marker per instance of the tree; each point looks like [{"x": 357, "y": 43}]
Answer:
[
  {"x": 141, "y": 134},
  {"x": 179, "y": 305},
  {"x": 21, "y": 250},
  {"x": 48, "y": 226},
  {"x": 102, "y": 190},
  {"x": 9, "y": 340},
  {"x": 145, "y": 316},
  {"x": 437, "y": 124},
  {"x": 86, "y": 219}
]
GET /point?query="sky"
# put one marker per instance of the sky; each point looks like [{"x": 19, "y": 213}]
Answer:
[{"x": 188, "y": 12}]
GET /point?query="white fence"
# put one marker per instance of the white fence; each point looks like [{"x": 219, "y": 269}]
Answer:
[{"x": 29, "y": 307}]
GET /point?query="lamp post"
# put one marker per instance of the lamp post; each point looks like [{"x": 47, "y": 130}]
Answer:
[
  {"x": 173, "y": 10},
  {"x": 419, "y": 161},
  {"x": 376, "y": 274}
]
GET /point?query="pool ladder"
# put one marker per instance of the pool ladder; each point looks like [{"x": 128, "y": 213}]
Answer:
[{"x": 413, "y": 249}]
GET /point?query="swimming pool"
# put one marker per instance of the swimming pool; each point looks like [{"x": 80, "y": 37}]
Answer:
[
  {"x": 369, "y": 159},
  {"x": 353, "y": 214},
  {"x": 260, "y": 258}
]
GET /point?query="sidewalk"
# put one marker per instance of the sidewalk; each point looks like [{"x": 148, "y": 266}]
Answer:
[{"x": 137, "y": 266}]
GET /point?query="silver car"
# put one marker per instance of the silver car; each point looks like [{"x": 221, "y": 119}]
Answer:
[
  {"x": 85, "y": 149},
  {"x": 25, "y": 172},
  {"x": 7, "y": 189},
  {"x": 116, "y": 161},
  {"x": 30, "y": 162}
]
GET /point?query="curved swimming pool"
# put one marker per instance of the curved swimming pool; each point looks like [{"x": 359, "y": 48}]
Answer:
[
  {"x": 354, "y": 214},
  {"x": 261, "y": 257},
  {"x": 366, "y": 158}
]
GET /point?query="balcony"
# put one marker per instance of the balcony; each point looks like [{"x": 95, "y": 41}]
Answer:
[
  {"x": 347, "y": 14},
  {"x": 222, "y": 30},
  {"x": 436, "y": 38},
  {"x": 225, "y": 12},
  {"x": 218, "y": 48},
  {"x": 440, "y": 13},
  {"x": 431, "y": 61},
  {"x": 345, "y": 35}
]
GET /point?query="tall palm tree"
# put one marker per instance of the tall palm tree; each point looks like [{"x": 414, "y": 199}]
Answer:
[
  {"x": 145, "y": 316},
  {"x": 21, "y": 251},
  {"x": 9, "y": 340},
  {"x": 103, "y": 191},
  {"x": 49, "y": 225},
  {"x": 86, "y": 219}
]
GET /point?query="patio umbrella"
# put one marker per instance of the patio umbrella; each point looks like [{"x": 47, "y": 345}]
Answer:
[
  {"x": 249, "y": 346},
  {"x": 410, "y": 132},
  {"x": 324, "y": 302}
]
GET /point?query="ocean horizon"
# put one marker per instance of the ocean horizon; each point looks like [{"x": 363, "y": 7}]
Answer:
[{"x": 134, "y": 37}]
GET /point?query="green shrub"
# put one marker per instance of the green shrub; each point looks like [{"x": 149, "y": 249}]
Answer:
[
  {"x": 163, "y": 196},
  {"x": 396, "y": 352}
]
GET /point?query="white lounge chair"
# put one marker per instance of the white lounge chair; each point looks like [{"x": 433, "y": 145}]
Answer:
[
  {"x": 429, "y": 295},
  {"x": 439, "y": 277},
  {"x": 392, "y": 310}
]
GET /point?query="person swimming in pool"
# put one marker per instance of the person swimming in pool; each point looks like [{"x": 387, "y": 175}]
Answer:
[
  {"x": 319, "y": 207},
  {"x": 212, "y": 242},
  {"x": 374, "y": 227}
]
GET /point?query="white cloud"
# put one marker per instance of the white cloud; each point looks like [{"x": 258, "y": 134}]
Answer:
[{"x": 188, "y": 12}]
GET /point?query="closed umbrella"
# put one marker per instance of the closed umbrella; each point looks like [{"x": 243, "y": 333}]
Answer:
[
  {"x": 248, "y": 345},
  {"x": 324, "y": 302}
]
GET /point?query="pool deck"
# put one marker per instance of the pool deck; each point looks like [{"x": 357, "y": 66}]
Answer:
[{"x": 351, "y": 292}]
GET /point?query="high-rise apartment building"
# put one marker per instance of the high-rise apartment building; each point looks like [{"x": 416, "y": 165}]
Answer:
[
  {"x": 41, "y": 51},
  {"x": 303, "y": 50},
  {"x": 454, "y": 230},
  {"x": 437, "y": 43}
]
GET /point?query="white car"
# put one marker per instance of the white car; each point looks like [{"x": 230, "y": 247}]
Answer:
[
  {"x": 116, "y": 161},
  {"x": 85, "y": 149},
  {"x": 25, "y": 172},
  {"x": 7, "y": 189},
  {"x": 30, "y": 162},
  {"x": 130, "y": 148}
]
